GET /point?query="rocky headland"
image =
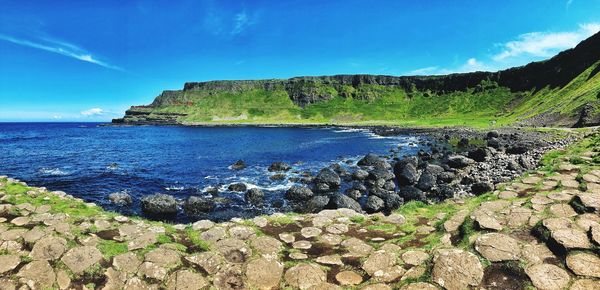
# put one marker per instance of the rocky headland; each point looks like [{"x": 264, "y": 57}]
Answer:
[{"x": 539, "y": 230}]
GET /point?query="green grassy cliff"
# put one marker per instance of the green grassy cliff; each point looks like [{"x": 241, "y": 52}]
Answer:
[{"x": 561, "y": 91}]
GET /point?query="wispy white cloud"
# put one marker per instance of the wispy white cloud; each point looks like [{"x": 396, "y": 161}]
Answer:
[
  {"x": 93, "y": 112},
  {"x": 545, "y": 44},
  {"x": 525, "y": 48},
  {"x": 59, "y": 47},
  {"x": 241, "y": 21}
]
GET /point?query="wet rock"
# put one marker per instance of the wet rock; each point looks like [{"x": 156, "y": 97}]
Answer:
[
  {"x": 426, "y": 181},
  {"x": 304, "y": 276},
  {"x": 195, "y": 206},
  {"x": 360, "y": 174},
  {"x": 316, "y": 204},
  {"x": 298, "y": 193},
  {"x": 380, "y": 173},
  {"x": 369, "y": 160},
  {"x": 254, "y": 196},
  {"x": 328, "y": 177},
  {"x": 342, "y": 201},
  {"x": 353, "y": 193},
  {"x": 263, "y": 273},
  {"x": 279, "y": 166},
  {"x": 278, "y": 176},
  {"x": 159, "y": 204},
  {"x": 479, "y": 188},
  {"x": 374, "y": 204},
  {"x": 547, "y": 276},
  {"x": 120, "y": 198},
  {"x": 459, "y": 161},
  {"x": 409, "y": 193},
  {"x": 238, "y": 165},
  {"x": 406, "y": 173},
  {"x": 456, "y": 269},
  {"x": 237, "y": 187}
]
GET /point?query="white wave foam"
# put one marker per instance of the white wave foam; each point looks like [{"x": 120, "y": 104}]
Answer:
[
  {"x": 53, "y": 171},
  {"x": 174, "y": 188}
]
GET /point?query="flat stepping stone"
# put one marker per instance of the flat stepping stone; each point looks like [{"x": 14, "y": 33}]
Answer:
[
  {"x": 142, "y": 241},
  {"x": 266, "y": 245},
  {"x": 40, "y": 272},
  {"x": 234, "y": 250},
  {"x": 302, "y": 245},
  {"x": 414, "y": 258},
  {"x": 163, "y": 257},
  {"x": 356, "y": 248},
  {"x": 454, "y": 222},
  {"x": 186, "y": 280},
  {"x": 152, "y": 271},
  {"x": 330, "y": 260},
  {"x": 126, "y": 263},
  {"x": 590, "y": 200},
  {"x": 585, "y": 284},
  {"x": 486, "y": 220},
  {"x": 584, "y": 264},
  {"x": 48, "y": 248},
  {"x": 587, "y": 221},
  {"x": 310, "y": 232},
  {"x": 590, "y": 178},
  {"x": 554, "y": 224},
  {"x": 548, "y": 276},
  {"x": 202, "y": 225},
  {"x": 330, "y": 239},
  {"x": 9, "y": 263},
  {"x": 287, "y": 238},
  {"x": 549, "y": 185},
  {"x": 348, "y": 278},
  {"x": 379, "y": 286},
  {"x": 507, "y": 194},
  {"x": 213, "y": 235},
  {"x": 498, "y": 247},
  {"x": 21, "y": 221},
  {"x": 596, "y": 234},
  {"x": 560, "y": 196},
  {"x": 210, "y": 262},
  {"x": 536, "y": 254},
  {"x": 337, "y": 229},
  {"x": 394, "y": 218},
  {"x": 264, "y": 273},
  {"x": 379, "y": 261},
  {"x": 419, "y": 286},
  {"x": 304, "y": 276},
  {"x": 571, "y": 238},
  {"x": 517, "y": 217},
  {"x": 562, "y": 210},
  {"x": 456, "y": 269},
  {"x": 532, "y": 180},
  {"x": 81, "y": 258},
  {"x": 298, "y": 256},
  {"x": 540, "y": 199},
  {"x": 242, "y": 232}
]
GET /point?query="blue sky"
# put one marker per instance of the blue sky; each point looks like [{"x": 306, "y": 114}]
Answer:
[{"x": 90, "y": 60}]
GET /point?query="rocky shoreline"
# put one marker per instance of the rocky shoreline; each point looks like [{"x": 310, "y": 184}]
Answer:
[
  {"x": 539, "y": 231},
  {"x": 453, "y": 163}
]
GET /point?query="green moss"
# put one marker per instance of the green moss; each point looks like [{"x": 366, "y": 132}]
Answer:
[
  {"x": 194, "y": 237},
  {"x": 110, "y": 248}
]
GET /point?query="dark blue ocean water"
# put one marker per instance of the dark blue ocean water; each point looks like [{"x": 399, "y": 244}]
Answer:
[{"x": 181, "y": 161}]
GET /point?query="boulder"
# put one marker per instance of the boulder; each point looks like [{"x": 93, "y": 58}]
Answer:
[
  {"x": 369, "y": 160},
  {"x": 329, "y": 177},
  {"x": 459, "y": 161},
  {"x": 254, "y": 196},
  {"x": 279, "y": 166},
  {"x": 446, "y": 177},
  {"x": 159, "y": 204},
  {"x": 238, "y": 165},
  {"x": 409, "y": 193},
  {"x": 120, "y": 198},
  {"x": 426, "y": 181},
  {"x": 374, "y": 204},
  {"x": 482, "y": 187},
  {"x": 463, "y": 142},
  {"x": 492, "y": 134},
  {"x": 517, "y": 149},
  {"x": 342, "y": 201},
  {"x": 392, "y": 202},
  {"x": 238, "y": 187},
  {"x": 406, "y": 173},
  {"x": 298, "y": 193},
  {"x": 316, "y": 203},
  {"x": 360, "y": 174},
  {"x": 381, "y": 173},
  {"x": 493, "y": 143},
  {"x": 195, "y": 205},
  {"x": 478, "y": 154},
  {"x": 353, "y": 193}
]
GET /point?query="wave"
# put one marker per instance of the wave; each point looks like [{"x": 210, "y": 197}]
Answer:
[
  {"x": 53, "y": 171},
  {"x": 174, "y": 188}
]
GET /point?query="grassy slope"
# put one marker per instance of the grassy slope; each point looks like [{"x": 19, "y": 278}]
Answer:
[{"x": 373, "y": 104}]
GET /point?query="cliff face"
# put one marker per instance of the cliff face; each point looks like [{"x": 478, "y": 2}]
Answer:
[{"x": 556, "y": 72}]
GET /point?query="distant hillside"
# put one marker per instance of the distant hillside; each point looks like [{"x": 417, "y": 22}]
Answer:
[{"x": 561, "y": 91}]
